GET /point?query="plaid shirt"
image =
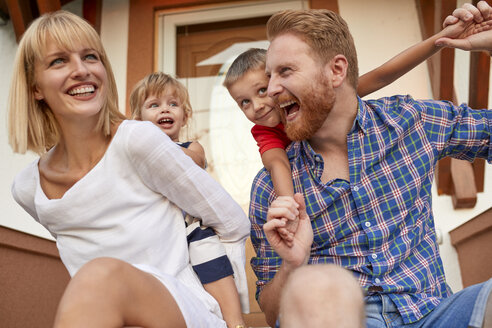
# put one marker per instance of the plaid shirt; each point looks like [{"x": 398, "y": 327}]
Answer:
[{"x": 380, "y": 224}]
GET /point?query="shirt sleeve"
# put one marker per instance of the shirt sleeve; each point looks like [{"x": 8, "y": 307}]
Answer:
[
  {"x": 266, "y": 263},
  {"x": 165, "y": 169},
  {"x": 24, "y": 188},
  {"x": 269, "y": 138},
  {"x": 207, "y": 254},
  {"x": 458, "y": 131}
]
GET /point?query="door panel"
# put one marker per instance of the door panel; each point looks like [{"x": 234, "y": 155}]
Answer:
[
  {"x": 218, "y": 123},
  {"x": 198, "y": 42}
]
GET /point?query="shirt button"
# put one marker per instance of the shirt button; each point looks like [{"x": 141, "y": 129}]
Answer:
[
  {"x": 367, "y": 224},
  {"x": 356, "y": 188},
  {"x": 317, "y": 158},
  {"x": 377, "y": 281},
  {"x": 374, "y": 256}
]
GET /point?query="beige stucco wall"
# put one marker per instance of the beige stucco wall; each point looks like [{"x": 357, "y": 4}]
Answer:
[
  {"x": 11, "y": 215},
  {"x": 381, "y": 29}
]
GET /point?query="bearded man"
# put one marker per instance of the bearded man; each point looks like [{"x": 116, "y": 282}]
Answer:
[{"x": 364, "y": 171}]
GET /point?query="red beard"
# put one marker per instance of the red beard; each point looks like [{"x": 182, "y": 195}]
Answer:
[{"x": 316, "y": 103}]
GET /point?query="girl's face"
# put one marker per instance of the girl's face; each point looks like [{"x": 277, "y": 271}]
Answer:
[
  {"x": 71, "y": 82},
  {"x": 166, "y": 112}
]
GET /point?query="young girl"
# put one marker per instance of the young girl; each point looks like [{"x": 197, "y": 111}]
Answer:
[
  {"x": 110, "y": 191},
  {"x": 164, "y": 101}
]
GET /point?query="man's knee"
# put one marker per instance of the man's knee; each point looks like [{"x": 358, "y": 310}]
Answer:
[
  {"x": 323, "y": 279},
  {"x": 326, "y": 294}
]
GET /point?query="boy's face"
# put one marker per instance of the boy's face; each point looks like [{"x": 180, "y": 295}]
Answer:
[
  {"x": 166, "y": 112},
  {"x": 250, "y": 93}
]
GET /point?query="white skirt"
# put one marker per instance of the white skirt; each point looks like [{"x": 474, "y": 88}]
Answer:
[{"x": 199, "y": 309}]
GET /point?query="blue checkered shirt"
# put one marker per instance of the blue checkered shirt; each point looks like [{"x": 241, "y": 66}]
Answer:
[{"x": 380, "y": 224}]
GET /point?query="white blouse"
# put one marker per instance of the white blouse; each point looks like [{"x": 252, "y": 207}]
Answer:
[{"x": 129, "y": 207}]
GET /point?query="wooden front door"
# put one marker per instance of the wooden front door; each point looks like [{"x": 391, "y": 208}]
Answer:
[
  {"x": 203, "y": 55},
  {"x": 196, "y": 43},
  {"x": 217, "y": 121}
]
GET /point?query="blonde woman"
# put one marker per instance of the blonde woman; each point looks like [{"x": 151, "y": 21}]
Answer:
[{"x": 110, "y": 190}]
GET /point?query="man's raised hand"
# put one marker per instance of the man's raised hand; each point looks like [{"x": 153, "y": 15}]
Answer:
[
  {"x": 469, "y": 28},
  {"x": 296, "y": 250}
]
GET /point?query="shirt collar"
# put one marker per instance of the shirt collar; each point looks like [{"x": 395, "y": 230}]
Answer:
[
  {"x": 298, "y": 147},
  {"x": 361, "y": 118}
]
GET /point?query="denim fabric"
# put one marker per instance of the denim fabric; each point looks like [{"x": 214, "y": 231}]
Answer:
[{"x": 461, "y": 310}]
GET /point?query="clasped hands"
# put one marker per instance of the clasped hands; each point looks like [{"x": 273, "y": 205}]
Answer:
[
  {"x": 468, "y": 28},
  {"x": 288, "y": 229}
]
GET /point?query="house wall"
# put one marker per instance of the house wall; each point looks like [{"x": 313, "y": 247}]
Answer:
[
  {"x": 381, "y": 29},
  {"x": 32, "y": 280},
  {"x": 11, "y": 214}
]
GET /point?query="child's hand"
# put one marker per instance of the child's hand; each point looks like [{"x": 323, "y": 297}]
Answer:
[
  {"x": 469, "y": 28},
  {"x": 285, "y": 209},
  {"x": 297, "y": 251},
  {"x": 469, "y": 12},
  {"x": 291, "y": 224}
]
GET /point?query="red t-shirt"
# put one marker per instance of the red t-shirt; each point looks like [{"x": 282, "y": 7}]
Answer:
[{"x": 268, "y": 138}]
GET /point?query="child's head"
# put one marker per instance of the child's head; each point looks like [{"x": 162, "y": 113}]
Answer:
[
  {"x": 32, "y": 124},
  {"x": 247, "y": 83},
  {"x": 163, "y": 100}
]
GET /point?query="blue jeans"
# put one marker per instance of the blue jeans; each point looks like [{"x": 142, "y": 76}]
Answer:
[{"x": 461, "y": 310}]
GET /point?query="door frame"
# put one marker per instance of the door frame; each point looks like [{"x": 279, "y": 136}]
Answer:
[{"x": 169, "y": 20}]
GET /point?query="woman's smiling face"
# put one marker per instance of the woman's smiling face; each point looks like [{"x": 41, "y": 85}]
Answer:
[{"x": 72, "y": 82}]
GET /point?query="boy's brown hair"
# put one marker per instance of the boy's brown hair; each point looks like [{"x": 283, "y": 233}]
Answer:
[
  {"x": 323, "y": 30},
  {"x": 155, "y": 84},
  {"x": 251, "y": 59}
]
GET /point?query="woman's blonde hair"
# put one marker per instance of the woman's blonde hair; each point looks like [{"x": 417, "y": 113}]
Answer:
[
  {"x": 155, "y": 84},
  {"x": 31, "y": 123}
]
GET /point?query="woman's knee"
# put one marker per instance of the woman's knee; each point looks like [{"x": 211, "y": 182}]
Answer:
[
  {"x": 100, "y": 272},
  {"x": 96, "y": 287}
]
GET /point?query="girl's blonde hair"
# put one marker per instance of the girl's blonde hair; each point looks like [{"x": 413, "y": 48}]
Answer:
[
  {"x": 155, "y": 84},
  {"x": 31, "y": 123}
]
